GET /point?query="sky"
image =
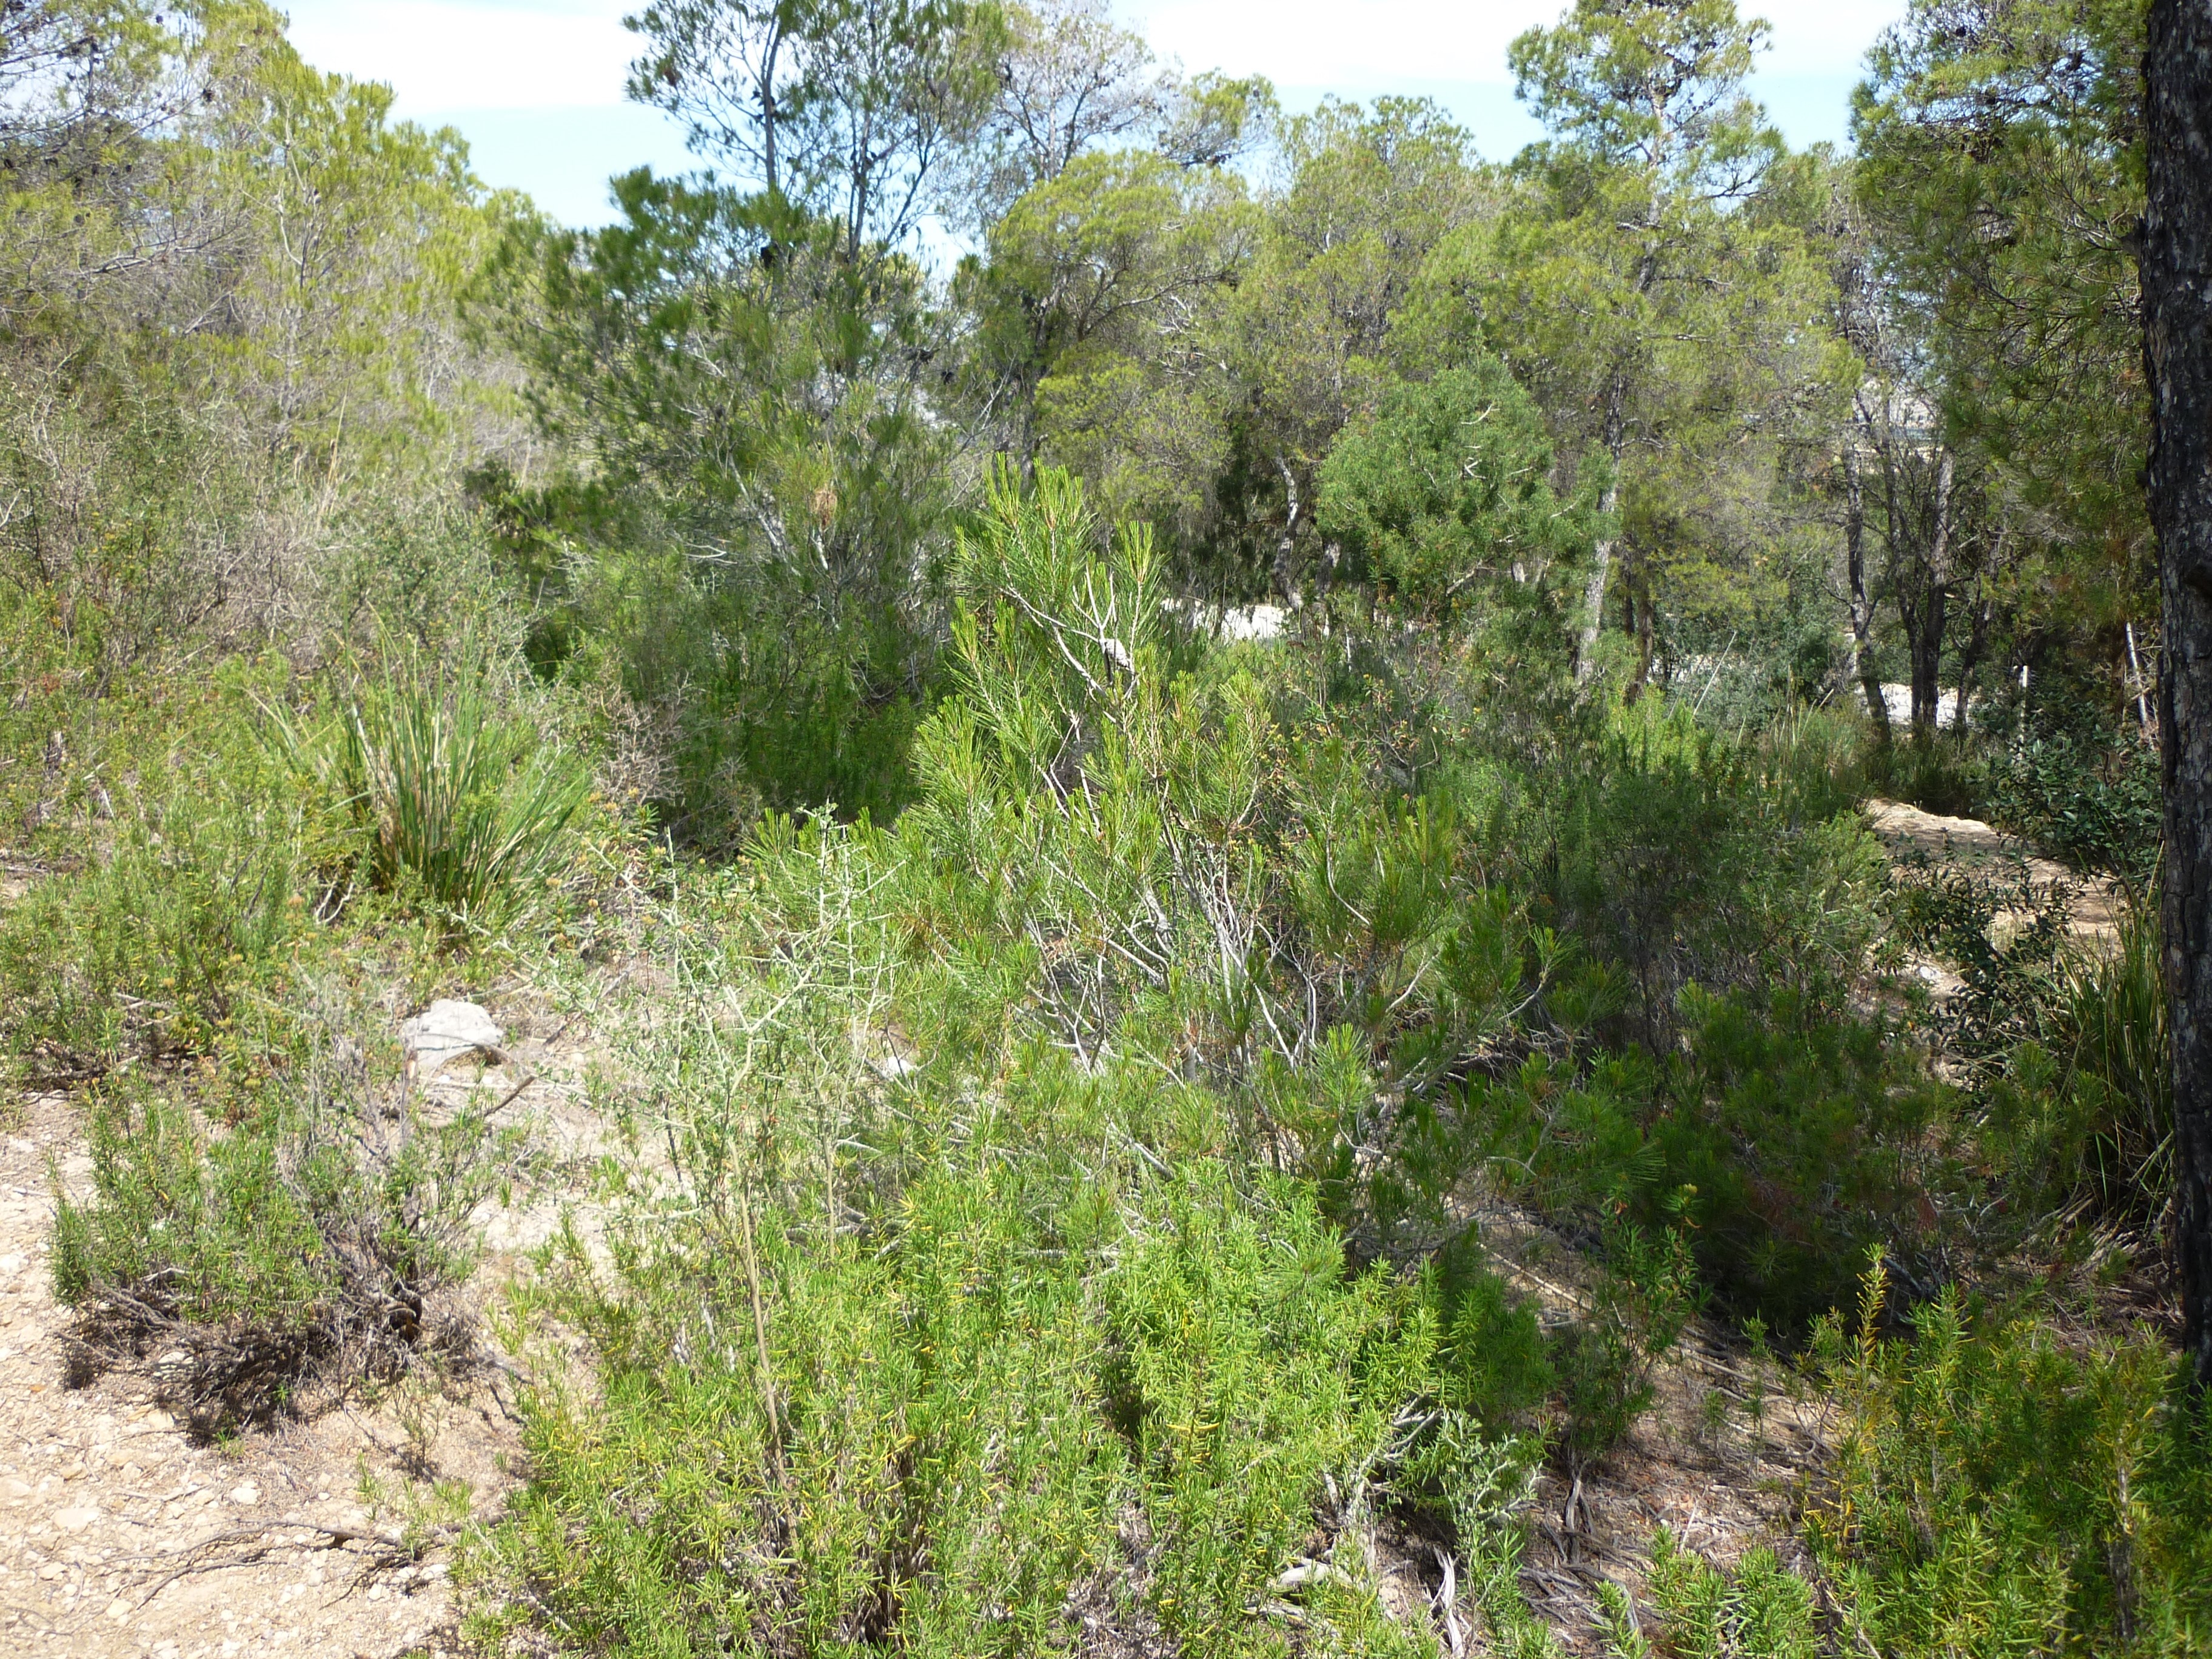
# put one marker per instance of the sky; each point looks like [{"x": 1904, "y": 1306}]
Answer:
[{"x": 535, "y": 86}]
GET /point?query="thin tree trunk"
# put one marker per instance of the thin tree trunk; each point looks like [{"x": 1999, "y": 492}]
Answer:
[
  {"x": 2140, "y": 683},
  {"x": 2176, "y": 286},
  {"x": 1636, "y": 577},
  {"x": 1593, "y": 595},
  {"x": 1285, "y": 548},
  {"x": 1924, "y": 630},
  {"x": 1927, "y": 643},
  {"x": 769, "y": 114},
  {"x": 1863, "y": 667},
  {"x": 1970, "y": 659}
]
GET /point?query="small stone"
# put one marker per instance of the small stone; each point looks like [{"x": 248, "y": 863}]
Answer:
[
  {"x": 245, "y": 1492},
  {"x": 76, "y": 1519},
  {"x": 447, "y": 1031},
  {"x": 118, "y": 1609}
]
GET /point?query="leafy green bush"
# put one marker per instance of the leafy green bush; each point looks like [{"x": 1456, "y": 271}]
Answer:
[
  {"x": 1792, "y": 1140},
  {"x": 2002, "y": 1488},
  {"x": 2092, "y": 803},
  {"x": 1936, "y": 772},
  {"x": 1684, "y": 855},
  {"x": 1442, "y": 495},
  {"x": 1491, "y": 1363}
]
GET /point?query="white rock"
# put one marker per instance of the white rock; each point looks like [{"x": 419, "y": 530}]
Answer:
[
  {"x": 447, "y": 1031},
  {"x": 891, "y": 1067},
  {"x": 76, "y": 1520},
  {"x": 246, "y": 1493}
]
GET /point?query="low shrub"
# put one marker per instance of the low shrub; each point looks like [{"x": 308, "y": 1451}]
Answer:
[
  {"x": 1940, "y": 772},
  {"x": 1492, "y": 1366},
  {"x": 2001, "y": 1488},
  {"x": 191, "y": 885},
  {"x": 2081, "y": 1110},
  {"x": 150, "y": 950},
  {"x": 2092, "y": 803},
  {"x": 1758, "y": 1610},
  {"x": 1677, "y": 854},
  {"x": 1790, "y": 1140},
  {"x": 974, "y": 1434},
  {"x": 298, "y": 1252}
]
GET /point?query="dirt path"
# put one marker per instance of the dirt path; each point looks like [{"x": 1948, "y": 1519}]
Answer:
[{"x": 1978, "y": 849}]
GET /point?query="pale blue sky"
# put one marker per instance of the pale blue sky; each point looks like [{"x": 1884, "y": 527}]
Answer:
[{"x": 536, "y": 85}]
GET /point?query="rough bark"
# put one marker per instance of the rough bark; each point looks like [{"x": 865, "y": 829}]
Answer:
[{"x": 2177, "y": 288}]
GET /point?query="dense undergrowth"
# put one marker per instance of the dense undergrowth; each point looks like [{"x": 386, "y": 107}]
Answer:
[
  {"x": 1061, "y": 1164},
  {"x": 1074, "y": 1213},
  {"x": 1074, "y": 1069}
]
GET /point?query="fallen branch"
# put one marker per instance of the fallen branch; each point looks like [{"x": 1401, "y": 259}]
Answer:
[{"x": 391, "y": 1547}]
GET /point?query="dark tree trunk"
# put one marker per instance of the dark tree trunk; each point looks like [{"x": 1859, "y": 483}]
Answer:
[
  {"x": 1924, "y": 632},
  {"x": 1969, "y": 655},
  {"x": 2177, "y": 287},
  {"x": 1636, "y": 585}
]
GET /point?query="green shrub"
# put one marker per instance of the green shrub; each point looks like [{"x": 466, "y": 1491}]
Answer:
[
  {"x": 1760, "y": 1610},
  {"x": 1681, "y": 855},
  {"x": 1792, "y": 1140},
  {"x": 2001, "y": 1488},
  {"x": 150, "y": 950},
  {"x": 2083, "y": 1109},
  {"x": 964, "y": 1438},
  {"x": 2093, "y": 803},
  {"x": 190, "y": 894},
  {"x": 1491, "y": 1363},
  {"x": 302, "y": 1250},
  {"x": 1938, "y": 772}
]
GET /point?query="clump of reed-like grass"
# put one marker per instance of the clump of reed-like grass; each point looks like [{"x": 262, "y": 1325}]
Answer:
[{"x": 458, "y": 799}]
